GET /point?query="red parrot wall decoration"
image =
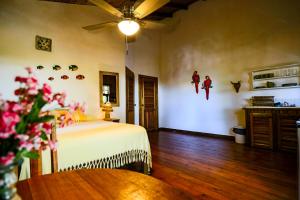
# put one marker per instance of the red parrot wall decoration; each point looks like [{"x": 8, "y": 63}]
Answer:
[
  {"x": 207, "y": 83},
  {"x": 196, "y": 80}
]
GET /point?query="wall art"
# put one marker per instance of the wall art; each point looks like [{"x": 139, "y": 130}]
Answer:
[
  {"x": 40, "y": 67},
  {"x": 56, "y": 67},
  {"x": 42, "y": 43},
  {"x": 64, "y": 77},
  {"x": 73, "y": 67},
  {"x": 80, "y": 77},
  {"x": 236, "y": 85},
  {"x": 51, "y": 78},
  {"x": 206, "y": 85},
  {"x": 196, "y": 80}
]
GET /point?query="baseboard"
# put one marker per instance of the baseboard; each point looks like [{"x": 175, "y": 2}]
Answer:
[{"x": 227, "y": 137}]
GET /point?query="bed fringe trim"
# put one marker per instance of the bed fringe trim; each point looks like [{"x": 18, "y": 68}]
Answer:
[{"x": 116, "y": 161}]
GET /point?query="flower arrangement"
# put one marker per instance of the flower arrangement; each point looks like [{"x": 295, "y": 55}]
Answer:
[{"x": 24, "y": 128}]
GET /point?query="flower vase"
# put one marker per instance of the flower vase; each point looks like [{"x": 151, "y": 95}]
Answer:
[{"x": 8, "y": 180}]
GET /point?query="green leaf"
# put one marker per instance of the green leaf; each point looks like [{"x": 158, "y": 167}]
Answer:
[
  {"x": 44, "y": 136},
  {"x": 46, "y": 118},
  {"x": 32, "y": 155},
  {"x": 19, "y": 154},
  {"x": 36, "y": 108},
  {"x": 21, "y": 126}
]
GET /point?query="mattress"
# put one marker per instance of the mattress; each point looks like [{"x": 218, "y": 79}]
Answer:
[{"x": 96, "y": 144}]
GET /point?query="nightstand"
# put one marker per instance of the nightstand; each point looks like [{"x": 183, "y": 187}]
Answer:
[{"x": 116, "y": 120}]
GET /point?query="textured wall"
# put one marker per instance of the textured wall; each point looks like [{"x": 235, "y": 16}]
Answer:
[
  {"x": 21, "y": 21},
  {"x": 143, "y": 58},
  {"x": 226, "y": 40}
]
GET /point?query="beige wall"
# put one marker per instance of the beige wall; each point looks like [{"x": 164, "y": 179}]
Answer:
[
  {"x": 226, "y": 40},
  {"x": 22, "y": 20},
  {"x": 144, "y": 58}
]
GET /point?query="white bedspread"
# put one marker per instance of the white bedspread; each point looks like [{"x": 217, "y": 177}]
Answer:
[{"x": 94, "y": 141}]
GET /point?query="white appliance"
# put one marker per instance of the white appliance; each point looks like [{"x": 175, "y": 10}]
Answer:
[{"x": 298, "y": 127}]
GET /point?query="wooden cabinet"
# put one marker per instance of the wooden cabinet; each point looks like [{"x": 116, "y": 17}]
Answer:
[
  {"x": 272, "y": 128},
  {"x": 262, "y": 130},
  {"x": 287, "y": 130}
]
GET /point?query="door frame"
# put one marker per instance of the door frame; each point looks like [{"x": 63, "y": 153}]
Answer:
[
  {"x": 126, "y": 95},
  {"x": 140, "y": 77}
]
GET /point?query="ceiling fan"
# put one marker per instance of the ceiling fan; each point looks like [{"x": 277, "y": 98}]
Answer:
[{"x": 130, "y": 19}]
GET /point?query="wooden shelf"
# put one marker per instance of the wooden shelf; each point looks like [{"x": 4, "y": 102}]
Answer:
[
  {"x": 274, "y": 88},
  {"x": 274, "y": 78},
  {"x": 277, "y": 76}
]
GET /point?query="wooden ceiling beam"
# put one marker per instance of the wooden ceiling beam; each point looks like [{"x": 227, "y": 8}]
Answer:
[
  {"x": 176, "y": 6},
  {"x": 159, "y": 16}
]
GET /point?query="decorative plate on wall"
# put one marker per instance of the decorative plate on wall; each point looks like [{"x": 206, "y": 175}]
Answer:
[
  {"x": 42, "y": 43},
  {"x": 64, "y": 77},
  {"x": 56, "y": 67},
  {"x": 73, "y": 67},
  {"x": 80, "y": 77},
  {"x": 40, "y": 67},
  {"x": 51, "y": 78}
]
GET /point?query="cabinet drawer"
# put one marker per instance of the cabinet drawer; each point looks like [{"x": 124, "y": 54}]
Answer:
[
  {"x": 261, "y": 130},
  {"x": 287, "y": 131}
]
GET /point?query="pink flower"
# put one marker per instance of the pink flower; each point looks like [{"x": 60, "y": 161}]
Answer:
[
  {"x": 52, "y": 144},
  {"x": 25, "y": 145},
  {"x": 8, "y": 120},
  {"x": 31, "y": 82},
  {"x": 21, "y": 79},
  {"x": 34, "y": 130},
  {"x": 32, "y": 91},
  {"x": 19, "y": 91},
  {"x": 22, "y": 137},
  {"x": 47, "y": 127},
  {"x": 5, "y": 135},
  {"x": 29, "y": 70},
  {"x": 47, "y": 91},
  {"x": 11, "y": 106},
  {"x": 8, "y": 159},
  {"x": 60, "y": 98},
  {"x": 37, "y": 143},
  {"x": 77, "y": 107}
]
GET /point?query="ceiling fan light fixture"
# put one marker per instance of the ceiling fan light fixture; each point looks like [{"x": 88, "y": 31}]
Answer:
[{"x": 128, "y": 27}]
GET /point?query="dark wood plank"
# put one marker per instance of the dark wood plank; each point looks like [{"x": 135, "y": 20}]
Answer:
[{"x": 212, "y": 168}]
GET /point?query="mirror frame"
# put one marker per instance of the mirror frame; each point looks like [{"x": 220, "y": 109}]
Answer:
[{"x": 101, "y": 74}]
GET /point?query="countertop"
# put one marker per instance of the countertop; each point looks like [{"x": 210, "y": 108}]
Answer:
[{"x": 269, "y": 107}]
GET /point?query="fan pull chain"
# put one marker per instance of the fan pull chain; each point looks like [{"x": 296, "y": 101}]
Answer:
[{"x": 126, "y": 43}]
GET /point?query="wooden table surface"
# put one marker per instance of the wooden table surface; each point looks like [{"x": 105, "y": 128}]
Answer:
[{"x": 99, "y": 184}]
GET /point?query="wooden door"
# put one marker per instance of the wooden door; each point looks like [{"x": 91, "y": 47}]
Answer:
[
  {"x": 261, "y": 130},
  {"x": 148, "y": 109},
  {"x": 129, "y": 96}
]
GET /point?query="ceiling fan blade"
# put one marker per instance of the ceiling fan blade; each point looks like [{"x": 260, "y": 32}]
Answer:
[
  {"x": 149, "y": 6},
  {"x": 99, "y": 26},
  {"x": 107, "y": 7}
]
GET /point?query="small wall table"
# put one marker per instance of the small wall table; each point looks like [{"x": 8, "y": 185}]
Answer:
[{"x": 102, "y": 184}]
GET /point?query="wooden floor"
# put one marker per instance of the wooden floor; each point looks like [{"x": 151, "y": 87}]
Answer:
[{"x": 211, "y": 168}]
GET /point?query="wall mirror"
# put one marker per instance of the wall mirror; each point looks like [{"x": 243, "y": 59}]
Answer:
[{"x": 109, "y": 88}]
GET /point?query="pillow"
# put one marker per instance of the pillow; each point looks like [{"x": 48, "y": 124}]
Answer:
[
  {"x": 62, "y": 117},
  {"x": 79, "y": 116}
]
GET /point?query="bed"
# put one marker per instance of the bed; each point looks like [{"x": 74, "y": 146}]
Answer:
[{"x": 96, "y": 144}]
